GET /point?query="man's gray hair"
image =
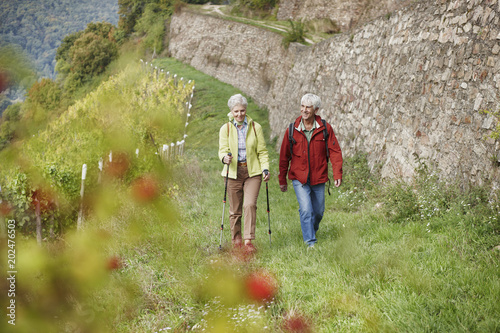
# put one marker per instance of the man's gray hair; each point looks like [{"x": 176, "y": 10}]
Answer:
[
  {"x": 311, "y": 99},
  {"x": 237, "y": 99}
]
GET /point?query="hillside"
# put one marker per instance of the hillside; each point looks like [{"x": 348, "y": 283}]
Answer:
[{"x": 38, "y": 27}]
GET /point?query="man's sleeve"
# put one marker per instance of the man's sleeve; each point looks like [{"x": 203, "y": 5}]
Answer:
[
  {"x": 284, "y": 159},
  {"x": 335, "y": 153}
]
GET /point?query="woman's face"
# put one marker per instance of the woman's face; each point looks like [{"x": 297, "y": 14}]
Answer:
[{"x": 239, "y": 112}]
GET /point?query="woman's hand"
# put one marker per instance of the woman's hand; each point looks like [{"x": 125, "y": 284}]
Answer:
[
  {"x": 227, "y": 159},
  {"x": 266, "y": 175}
]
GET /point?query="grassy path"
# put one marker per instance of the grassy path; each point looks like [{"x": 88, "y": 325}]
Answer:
[{"x": 368, "y": 273}]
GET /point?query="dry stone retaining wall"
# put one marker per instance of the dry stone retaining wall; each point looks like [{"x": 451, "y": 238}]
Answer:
[
  {"x": 346, "y": 13},
  {"x": 411, "y": 85}
]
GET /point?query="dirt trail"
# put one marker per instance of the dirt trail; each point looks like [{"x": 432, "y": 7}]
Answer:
[{"x": 219, "y": 10}]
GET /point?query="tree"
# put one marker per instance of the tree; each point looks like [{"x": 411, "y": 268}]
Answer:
[
  {"x": 45, "y": 93},
  {"x": 91, "y": 54},
  {"x": 85, "y": 54},
  {"x": 8, "y": 124},
  {"x": 129, "y": 11}
]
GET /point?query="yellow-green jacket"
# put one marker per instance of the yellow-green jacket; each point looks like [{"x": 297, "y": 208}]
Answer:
[{"x": 257, "y": 157}]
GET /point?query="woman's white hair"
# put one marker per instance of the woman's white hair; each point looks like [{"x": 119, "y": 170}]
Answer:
[
  {"x": 237, "y": 99},
  {"x": 311, "y": 99}
]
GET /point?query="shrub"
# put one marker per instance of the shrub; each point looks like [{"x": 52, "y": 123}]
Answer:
[
  {"x": 259, "y": 8},
  {"x": 151, "y": 26},
  {"x": 358, "y": 180},
  {"x": 295, "y": 35}
]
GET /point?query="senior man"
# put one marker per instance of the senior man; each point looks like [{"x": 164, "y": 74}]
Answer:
[{"x": 307, "y": 145}]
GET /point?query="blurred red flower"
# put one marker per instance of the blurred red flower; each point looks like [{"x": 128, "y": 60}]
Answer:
[
  {"x": 114, "y": 263},
  {"x": 145, "y": 189},
  {"x": 45, "y": 198},
  {"x": 118, "y": 166},
  {"x": 261, "y": 287},
  {"x": 5, "y": 208},
  {"x": 296, "y": 323}
]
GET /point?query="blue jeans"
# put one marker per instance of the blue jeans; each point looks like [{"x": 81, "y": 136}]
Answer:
[{"x": 311, "y": 207}]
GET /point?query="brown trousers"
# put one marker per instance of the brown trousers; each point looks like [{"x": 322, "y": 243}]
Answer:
[{"x": 242, "y": 193}]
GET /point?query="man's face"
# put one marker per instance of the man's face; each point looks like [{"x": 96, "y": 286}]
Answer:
[{"x": 307, "y": 111}]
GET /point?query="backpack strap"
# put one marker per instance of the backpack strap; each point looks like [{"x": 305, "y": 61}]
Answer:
[
  {"x": 291, "y": 140},
  {"x": 325, "y": 136}
]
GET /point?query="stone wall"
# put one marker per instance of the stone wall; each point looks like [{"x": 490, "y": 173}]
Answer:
[
  {"x": 409, "y": 85},
  {"x": 346, "y": 13}
]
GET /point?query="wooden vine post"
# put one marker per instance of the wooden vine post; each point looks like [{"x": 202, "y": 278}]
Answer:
[{"x": 79, "y": 224}]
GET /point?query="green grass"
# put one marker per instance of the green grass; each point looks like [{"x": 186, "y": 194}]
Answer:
[{"x": 368, "y": 273}]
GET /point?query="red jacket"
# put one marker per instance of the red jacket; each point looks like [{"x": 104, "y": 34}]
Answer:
[{"x": 309, "y": 159}]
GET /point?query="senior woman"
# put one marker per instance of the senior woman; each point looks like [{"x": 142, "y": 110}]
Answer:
[{"x": 248, "y": 165}]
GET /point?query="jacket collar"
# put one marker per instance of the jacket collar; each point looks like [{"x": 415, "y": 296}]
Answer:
[{"x": 299, "y": 119}]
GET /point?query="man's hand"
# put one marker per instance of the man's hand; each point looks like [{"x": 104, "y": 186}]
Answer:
[
  {"x": 338, "y": 182},
  {"x": 283, "y": 188}
]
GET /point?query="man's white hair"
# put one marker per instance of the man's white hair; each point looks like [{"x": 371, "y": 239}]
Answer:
[{"x": 311, "y": 99}]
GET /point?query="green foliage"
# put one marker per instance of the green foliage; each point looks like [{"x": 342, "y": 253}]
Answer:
[
  {"x": 357, "y": 181},
  {"x": 8, "y": 124},
  {"x": 295, "y": 35},
  {"x": 119, "y": 116},
  {"x": 428, "y": 198},
  {"x": 86, "y": 54},
  {"x": 266, "y": 5},
  {"x": 151, "y": 26},
  {"x": 131, "y": 11},
  {"x": 46, "y": 94},
  {"x": 251, "y": 8},
  {"x": 495, "y": 134},
  {"x": 15, "y": 67},
  {"x": 12, "y": 113},
  {"x": 38, "y": 27},
  {"x": 63, "y": 51},
  {"x": 91, "y": 54}
]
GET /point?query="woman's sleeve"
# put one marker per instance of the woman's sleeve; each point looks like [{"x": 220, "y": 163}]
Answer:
[
  {"x": 262, "y": 149},
  {"x": 223, "y": 142}
]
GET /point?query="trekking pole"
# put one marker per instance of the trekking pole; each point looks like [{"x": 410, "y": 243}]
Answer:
[
  {"x": 224, "y": 207},
  {"x": 268, "y": 217}
]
